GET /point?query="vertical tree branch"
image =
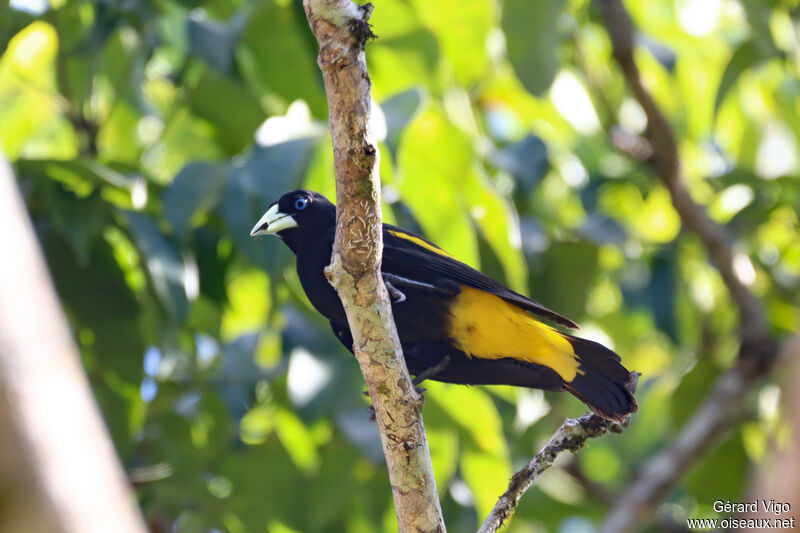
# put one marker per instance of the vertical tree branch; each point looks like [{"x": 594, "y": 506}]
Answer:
[
  {"x": 726, "y": 403},
  {"x": 342, "y": 29},
  {"x": 58, "y": 470}
]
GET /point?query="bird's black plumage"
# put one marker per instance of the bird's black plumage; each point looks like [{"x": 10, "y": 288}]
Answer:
[{"x": 450, "y": 317}]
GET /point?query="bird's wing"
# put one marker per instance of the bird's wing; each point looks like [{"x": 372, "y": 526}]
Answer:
[{"x": 413, "y": 257}]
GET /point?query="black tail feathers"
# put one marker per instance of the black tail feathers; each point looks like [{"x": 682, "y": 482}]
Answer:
[{"x": 602, "y": 382}]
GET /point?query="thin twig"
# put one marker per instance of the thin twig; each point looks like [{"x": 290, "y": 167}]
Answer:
[
  {"x": 571, "y": 436},
  {"x": 342, "y": 30},
  {"x": 726, "y": 404}
]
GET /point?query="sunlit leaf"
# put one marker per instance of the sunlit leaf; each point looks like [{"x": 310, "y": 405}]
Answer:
[
  {"x": 462, "y": 29},
  {"x": 249, "y": 298},
  {"x": 441, "y": 211},
  {"x": 31, "y": 121},
  {"x": 444, "y": 454},
  {"x": 297, "y": 440},
  {"x": 487, "y": 476},
  {"x": 401, "y": 62},
  {"x": 473, "y": 410}
]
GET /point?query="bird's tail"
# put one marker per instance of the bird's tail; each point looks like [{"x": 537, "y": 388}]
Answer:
[{"x": 602, "y": 382}]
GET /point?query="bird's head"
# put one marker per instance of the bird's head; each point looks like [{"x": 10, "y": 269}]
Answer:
[{"x": 295, "y": 215}]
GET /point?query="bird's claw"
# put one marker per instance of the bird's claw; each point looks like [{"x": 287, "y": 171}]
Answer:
[
  {"x": 430, "y": 372},
  {"x": 394, "y": 292}
]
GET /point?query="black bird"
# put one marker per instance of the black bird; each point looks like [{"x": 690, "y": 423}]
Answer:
[{"x": 455, "y": 324}]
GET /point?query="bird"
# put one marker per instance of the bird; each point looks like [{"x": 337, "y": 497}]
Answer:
[{"x": 455, "y": 324}]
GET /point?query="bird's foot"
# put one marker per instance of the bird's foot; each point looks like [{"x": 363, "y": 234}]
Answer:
[
  {"x": 396, "y": 294},
  {"x": 431, "y": 371},
  {"x": 440, "y": 285}
]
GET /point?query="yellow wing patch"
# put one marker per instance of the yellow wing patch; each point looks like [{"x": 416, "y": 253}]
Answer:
[
  {"x": 486, "y": 326},
  {"x": 420, "y": 242}
]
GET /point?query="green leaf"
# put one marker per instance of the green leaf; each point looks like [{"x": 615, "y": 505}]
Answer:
[
  {"x": 441, "y": 212},
  {"x": 99, "y": 299},
  {"x": 399, "y": 110},
  {"x": 213, "y": 260},
  {"x": 248, "y": 306},
  {"x": 573, "y": 261},
  {"x": 277, "y": 57},
  {"x": 693, "y": 385},
  {"x": 163, "y": 262},
  {"x": 404, "y": 61},
  {"x": 786, "y": 98},
  {"x": 532, "y": 39},
  {"x": 462, "y": 29},
  {"x": 443, "y": 443},
  {"x": 487, "y": 476},
  {"x": 81, "y": 220},
  {"x": 104, "y": 315},
  {"x": 198, "y": 186},
  {"x": 497, "y": 223},
  {"x": 474, "y": 411},
  {"x": 213, "y": 41},
  {"x": 527, "y": 160},
  {"x": 337, "y": 471},
  {"x": 744, "y": 57},
  {"x": 32, "y": 123},
  {"x": 297, "y": 440},
  {"x": 237, "y": 120}
]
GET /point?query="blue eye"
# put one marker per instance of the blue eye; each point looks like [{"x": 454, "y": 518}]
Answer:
[{"x": 300, "y": 204}]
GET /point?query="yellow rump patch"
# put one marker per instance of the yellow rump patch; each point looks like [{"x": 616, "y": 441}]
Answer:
[
  {"x": 486, "y": 326},
  {"x": 420, "y": 242}
]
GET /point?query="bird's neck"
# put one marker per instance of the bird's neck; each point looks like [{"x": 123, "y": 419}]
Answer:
[
  {"x": 293, "y": 238},
  {"x": 305, "y": 242}
]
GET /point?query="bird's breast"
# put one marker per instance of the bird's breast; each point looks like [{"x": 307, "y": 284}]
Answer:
[{"x": 311, "y": 263}]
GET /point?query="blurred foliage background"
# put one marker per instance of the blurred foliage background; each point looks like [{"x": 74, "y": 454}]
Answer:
[{"x": 149, "y": 135}]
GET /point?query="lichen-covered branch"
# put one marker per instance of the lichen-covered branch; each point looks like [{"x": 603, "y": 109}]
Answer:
[
  {"x": 726, "y": 403},
  {"x": 571, "y": 436},
  {"x": 342, "y": 29}
]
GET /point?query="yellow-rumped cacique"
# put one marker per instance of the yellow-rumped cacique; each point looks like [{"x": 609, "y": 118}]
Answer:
[{"x": 455, "y": 324}]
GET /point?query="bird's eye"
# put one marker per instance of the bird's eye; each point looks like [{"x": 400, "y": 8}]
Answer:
[{"x": 301, "y": 203}]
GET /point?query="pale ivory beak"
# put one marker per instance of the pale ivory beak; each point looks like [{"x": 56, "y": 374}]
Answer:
[{"x": 272, "y": 222}]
